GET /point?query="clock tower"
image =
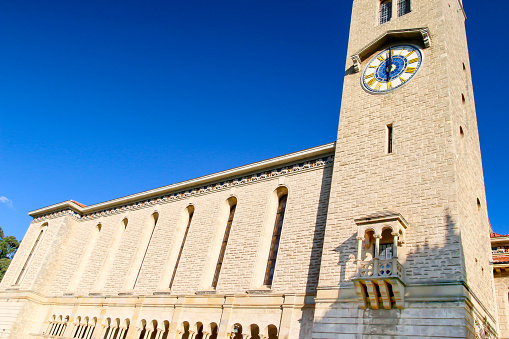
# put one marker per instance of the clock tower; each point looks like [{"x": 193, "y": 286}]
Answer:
[{"x": 406, "y": 249}]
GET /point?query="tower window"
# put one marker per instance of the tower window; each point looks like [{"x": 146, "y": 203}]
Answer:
[
  {"x": 385, "y": 11},
  {"x": 274, "y": 245},
  {"x": 389, "y": 138},
  {"x": 403, "y": 7}
]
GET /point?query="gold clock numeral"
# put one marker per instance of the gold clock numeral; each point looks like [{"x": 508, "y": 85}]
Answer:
[
  {"x": 372, "y": 66},
  {"x": 369, "y": 76},
  {"x": 389, "y": 85},
  {"x": 392, "y": 52},
  {"x": 381, "y": 58},
  {"x": 371, "y": 82},
  {"x": 413, "y": 60},
  {"x": 378, "y": 86},
  {"x": 402, "y": 80},
  {"x": 410, "y": 70},
  {"x": 406, "y": 56}
]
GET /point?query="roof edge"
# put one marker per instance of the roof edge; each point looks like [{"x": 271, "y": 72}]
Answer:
[{"x": 236, "y": 171}]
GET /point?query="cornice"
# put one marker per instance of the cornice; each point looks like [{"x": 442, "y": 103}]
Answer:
[{"x": 285, "y": 164}]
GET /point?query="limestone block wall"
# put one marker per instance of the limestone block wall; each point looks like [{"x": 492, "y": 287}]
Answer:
[
  {"x": 113, "y": 268},
  {"x": 298, "y": 257},
  {"x": 502, "y": 300}
]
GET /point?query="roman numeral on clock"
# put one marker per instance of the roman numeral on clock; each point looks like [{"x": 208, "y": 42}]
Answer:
[
  {"x": 410, "y": 70},
  {"x": 369, "y": 76},
  {"x": 413, "y": 60},
  {"x": 371, "y": 82}
]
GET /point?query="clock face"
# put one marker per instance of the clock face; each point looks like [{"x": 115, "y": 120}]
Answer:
[{"x": 404, "y": 61}]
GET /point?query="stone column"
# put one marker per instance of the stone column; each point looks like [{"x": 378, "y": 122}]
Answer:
[
  {"x": 112, "y": 332},
  {"x": 121, "y": 333},
  {"x": 395, "y": 245},
  {"x": 148, "y": 333},
  {"x": 82, "y": 331},
  {"x": 91, "y": 331},
  {"x": 159, "y": 333},
  {"x": 224, "y": 324},
  {"x": 377, "y": 254},
  {"x": 62, "y": 329},
  {"x": 50, "y": 327},
  {"x": 192, "y": 334}
]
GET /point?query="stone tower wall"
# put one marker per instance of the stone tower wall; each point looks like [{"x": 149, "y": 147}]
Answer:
[{"x": 431, "y": 179}]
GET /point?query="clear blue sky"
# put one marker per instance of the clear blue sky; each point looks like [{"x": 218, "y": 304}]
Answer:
[{"x": 101, "y": 99}]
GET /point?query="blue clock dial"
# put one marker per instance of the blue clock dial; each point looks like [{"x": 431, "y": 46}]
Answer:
[{"x": 391, "y": 68}]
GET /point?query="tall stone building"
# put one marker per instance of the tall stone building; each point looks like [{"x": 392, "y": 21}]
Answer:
[{"x": 382, "y": 234}]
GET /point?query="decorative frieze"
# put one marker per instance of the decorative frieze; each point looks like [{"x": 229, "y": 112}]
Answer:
[{"x": 288, "y": 169}]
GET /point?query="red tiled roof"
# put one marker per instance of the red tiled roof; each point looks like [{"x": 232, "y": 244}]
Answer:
[
  {"x": 500, "y": 258},
  {"x": 496, "y": 235},
  {"x": 79, "y": 204}
]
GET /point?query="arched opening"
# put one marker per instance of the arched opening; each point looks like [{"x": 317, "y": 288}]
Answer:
[
  {"x": 232, "y": 202},
  {"x": 213, "y": 331},
  {"x": 153, "y": 329},
  {"x": 237, "y": 331},
  {"x": 107, "y": 328},
  {"x": 35, "y": 246},
  {"x": 166, "y": 329},
  {"x": 276, "y": 236},
  {"x": 190, "y": 212},
  {"x": 145, "y": 243},
  {"x": 185, "y": 330},
  {"x": 254, "y": 331},
  {"x": 272, "y": 332},
  {"x": 386, "y": 245},
  {"x": 199, "y": 330},
  {"x": 143, "y": 326}
]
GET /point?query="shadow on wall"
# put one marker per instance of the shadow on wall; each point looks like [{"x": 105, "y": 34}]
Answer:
[
  {"x": 422, "y": 261},
  {"x": 306, "y": 322}
]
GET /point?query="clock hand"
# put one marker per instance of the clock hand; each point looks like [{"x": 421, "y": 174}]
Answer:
[{"x": 389, "y": 68}]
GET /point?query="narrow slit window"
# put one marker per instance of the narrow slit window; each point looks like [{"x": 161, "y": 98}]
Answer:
[
  {"x": 276, "y": 237},
  {"x": 389, "y": 138},
  {"x": 403, "y": 7},
  {"x": 155, "y": 217},
  {"x": 223, "y": 246},
  {"x": 385, "y": 11},
  {"x": 27, "y": 262},
  {"x": 181, "y": 248}
]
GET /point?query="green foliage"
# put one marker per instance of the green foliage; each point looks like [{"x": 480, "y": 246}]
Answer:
[{"x": 8, "y": 247}]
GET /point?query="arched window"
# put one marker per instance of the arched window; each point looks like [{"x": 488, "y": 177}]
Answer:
[
  {"x": 185, "y": 330},
  {"x": 385, "y": 11},
  {"x": 254, "y": 331},
  {"x": 403, "y": 7},
  {"x": 233, "y": 207},
  {"x": 144, "y": 245},
  {"x": 213, "y": 331},
  {"x": 237, "y": 331},
  {"x": 190, "y": 210},
  {"x": 199, "y": 331},
  {"x": 31, "y": 254},
  {"x": 110, "y": 257},
  {"x": 84, "y": 259},
  {"x": 276, "y": 237}
]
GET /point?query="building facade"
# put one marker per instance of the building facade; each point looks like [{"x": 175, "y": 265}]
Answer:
[{"x": 382, "y": 234}]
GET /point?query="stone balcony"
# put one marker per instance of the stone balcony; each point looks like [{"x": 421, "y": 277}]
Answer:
[{"x": 380, "y": 284}]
